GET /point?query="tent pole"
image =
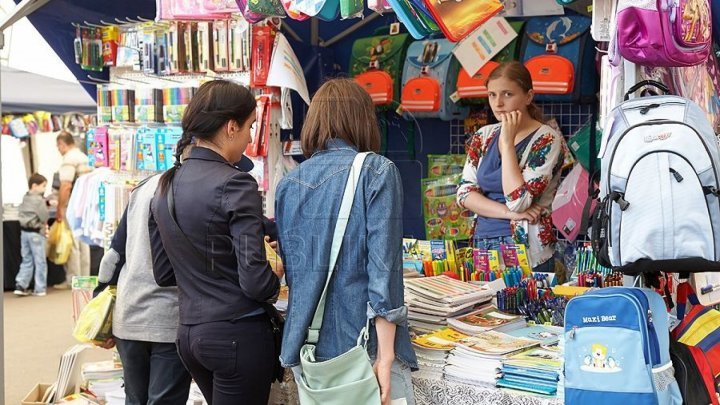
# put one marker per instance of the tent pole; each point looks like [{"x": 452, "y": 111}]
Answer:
[
  {"x": 2, "y": 268},
  {"x": 21, "y": 10},
  {"x": 314, "y": 31},
  {"x": 350, "y": 30}
]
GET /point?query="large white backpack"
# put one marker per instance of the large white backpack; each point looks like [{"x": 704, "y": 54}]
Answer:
[{"x": 659, "y": 207}]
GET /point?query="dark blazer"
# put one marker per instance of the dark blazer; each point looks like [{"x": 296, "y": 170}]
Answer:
[{"x": 219, "y": 209}]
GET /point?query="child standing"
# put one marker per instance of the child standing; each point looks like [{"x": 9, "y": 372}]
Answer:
[{"x": 33, "y": 223}]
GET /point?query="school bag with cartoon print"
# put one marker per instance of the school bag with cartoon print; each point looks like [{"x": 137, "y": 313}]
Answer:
[
  {"x": 617, "y": 349},
  {"x": 376, "y": 64},
  {"x": 428, "y": 82},
  {"x": 560, "y": 55}
]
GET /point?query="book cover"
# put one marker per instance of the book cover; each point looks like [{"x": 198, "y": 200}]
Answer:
[
  {"x": 492, "y": 342},
  {"x": 442, "y": 339},
  {"x": 484, "y": 319}
]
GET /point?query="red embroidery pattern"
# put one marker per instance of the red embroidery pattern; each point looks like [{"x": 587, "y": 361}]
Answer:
[{"x": 517, "y": 193}]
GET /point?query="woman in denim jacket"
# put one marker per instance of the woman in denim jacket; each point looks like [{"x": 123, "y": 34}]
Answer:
[{"x": 367, "y": 282}]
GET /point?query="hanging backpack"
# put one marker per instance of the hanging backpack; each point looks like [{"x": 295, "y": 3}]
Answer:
[
  {"x": 560, "y": 55},
  {"x": 617, "y": 349},
  {"x": 428, "y": 82},
  {"x": 664, "y": 33},
  {"x": 376, "y": 64},
  {"x": 473, "y": 89},
  {"x": 659, "y": 208}
]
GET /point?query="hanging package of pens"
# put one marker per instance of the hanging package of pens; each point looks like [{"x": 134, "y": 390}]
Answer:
[
  {"x": 148, "y": 105},
  {"x": 104, "y": 105},
  {"x": 123, "y": 105},
  {"x": 239, "y": 45},
  {"x": 263, "y": 39},
  {"x": 220, "y": 45},
  {"x": 205, "y": 60},
  {"x": 91, "y": 55}
]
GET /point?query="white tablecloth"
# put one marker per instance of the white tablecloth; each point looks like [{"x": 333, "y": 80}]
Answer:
[{"x": 432, "y": 391}]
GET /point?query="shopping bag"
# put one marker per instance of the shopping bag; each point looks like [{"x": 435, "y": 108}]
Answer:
[
  {"x": 59, "y": 243},
  {"x": 94, "y": 324}
]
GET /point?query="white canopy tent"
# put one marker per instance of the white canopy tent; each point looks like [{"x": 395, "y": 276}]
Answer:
[
  {"x": 27, "y": 92},
  {"x": 33, "y": 76}
]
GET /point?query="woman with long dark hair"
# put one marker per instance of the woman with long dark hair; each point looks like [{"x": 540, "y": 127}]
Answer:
[{"x": 206, "y": 232}]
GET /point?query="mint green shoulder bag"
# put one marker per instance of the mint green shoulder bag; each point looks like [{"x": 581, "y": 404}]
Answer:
[{"x": 348, "y": 377}]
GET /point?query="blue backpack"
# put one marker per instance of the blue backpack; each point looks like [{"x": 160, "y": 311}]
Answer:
[
  {"x": 560, "y": 55},
  {"x": 617, "y": 349},
  {"x": 429, "y": 79}
]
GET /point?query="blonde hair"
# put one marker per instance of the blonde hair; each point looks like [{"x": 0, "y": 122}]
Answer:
[
  {"x": 518, "y": 73},
  {"x": 340, "y": 109}
]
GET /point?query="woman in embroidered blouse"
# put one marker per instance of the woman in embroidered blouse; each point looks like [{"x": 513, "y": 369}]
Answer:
[{"x": 513, "y": 170}]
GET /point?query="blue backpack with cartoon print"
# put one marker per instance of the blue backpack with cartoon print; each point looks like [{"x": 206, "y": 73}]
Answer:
[{"x": 617, "y": 349}]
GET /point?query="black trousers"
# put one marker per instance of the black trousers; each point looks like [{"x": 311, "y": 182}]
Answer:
[
  {"x": 153, "y": 373},
  {"x": 231, "y": 361}
]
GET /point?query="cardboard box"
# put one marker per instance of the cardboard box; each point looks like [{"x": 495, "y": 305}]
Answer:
[{"x": 35, "y": 396}]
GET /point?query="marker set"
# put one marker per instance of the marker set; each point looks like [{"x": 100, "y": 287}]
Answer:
[{"x": 143, "y": 104}]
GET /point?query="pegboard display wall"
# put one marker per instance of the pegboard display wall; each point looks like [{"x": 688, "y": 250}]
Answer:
[{"x": 571, "y": 118}]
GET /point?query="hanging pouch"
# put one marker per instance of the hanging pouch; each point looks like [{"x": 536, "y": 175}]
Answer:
[
  {"x": 266, "y": 8},
  {"x": 326, "y": 10}
]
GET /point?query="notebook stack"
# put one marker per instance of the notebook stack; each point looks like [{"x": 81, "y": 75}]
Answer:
[
  {"x": 485, "y": 319},
  {"x": 432, "y": 350},
  {"x": 536, "y": 370},
  {"x": 431, "y": 300},
  {"x": 476, "y": 359},
  {"x": 102, "y": 377}
]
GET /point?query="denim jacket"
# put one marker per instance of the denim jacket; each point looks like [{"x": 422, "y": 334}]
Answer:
[{"x": 367, "y": 281}]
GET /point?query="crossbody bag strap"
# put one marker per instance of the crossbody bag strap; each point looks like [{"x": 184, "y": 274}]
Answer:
[{"x": 340, "y": 227}]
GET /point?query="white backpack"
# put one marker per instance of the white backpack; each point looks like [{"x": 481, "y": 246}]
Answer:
[{"x": 659, "y": 187}]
